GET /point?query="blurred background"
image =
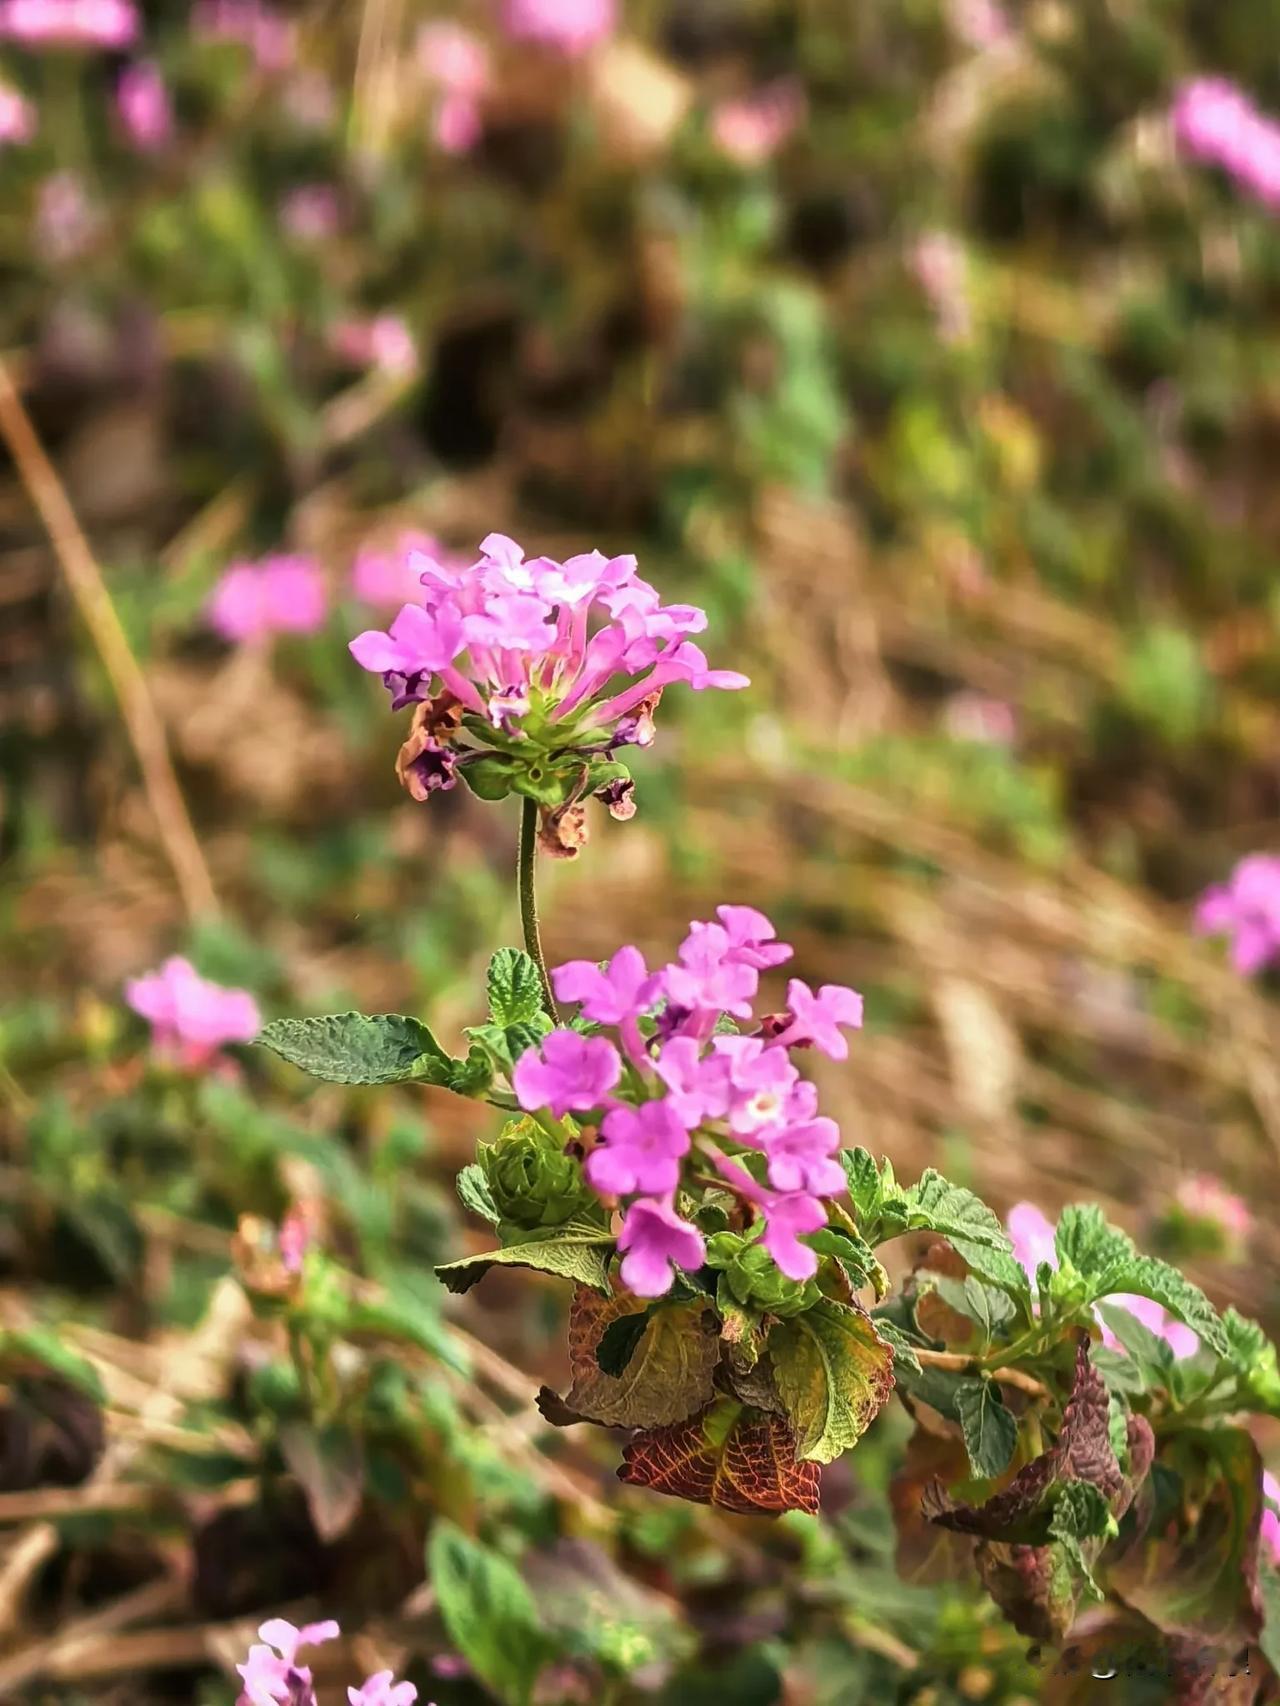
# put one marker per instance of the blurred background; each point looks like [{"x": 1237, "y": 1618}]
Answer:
[{"x": 931, "y": 345}]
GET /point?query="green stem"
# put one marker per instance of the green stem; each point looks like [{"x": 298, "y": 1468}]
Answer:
[{"x": 529, "y": 901}]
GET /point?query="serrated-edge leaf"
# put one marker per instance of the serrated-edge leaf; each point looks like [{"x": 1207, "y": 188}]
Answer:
[
  {"x": 515, "y": 988},
  {"x": 834, "y": 1374},
  {"x": 578, "y": 1251},
  {"x": 1148, "y": 1276},
  {"x": 489, "y": 1612},
  {"x": 474, "y": 1193},
  {"x": 990, "y": 1431},
  {"x": 359, "y": 1048},
  {"x": 904, "y": 1352}
]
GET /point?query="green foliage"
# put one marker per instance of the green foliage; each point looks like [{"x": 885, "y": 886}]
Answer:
[
  {"x": 990, "y": 1432},
  {"x": 834, "y": 1373},
  {"x": 515, "y": 989},
  {"x": 530, "y": 1180},
  {"x": 491, "y": 1617},
  {"x": 360, "y": 1048},
  {"x": 578, "y": 1250}
]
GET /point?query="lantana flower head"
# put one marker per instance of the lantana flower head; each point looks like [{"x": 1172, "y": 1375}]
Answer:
[
  {"x": 70, "y": 23},
  {"x": 282, "y": 594},
  {"x": 530, "y": 675},
  {"x": 271, "y": 1675},
  {"x": 190, "y": 1017},
  {"x": 1204, "y": 1198},
  {"x": 1246, "y": 908},
  {"x": 678, "y": 1101}
]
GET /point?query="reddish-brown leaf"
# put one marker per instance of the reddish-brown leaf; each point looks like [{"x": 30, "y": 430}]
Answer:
[
  {"x": 670, "y": 1374},
  {"x": 728, "y": 1456}
]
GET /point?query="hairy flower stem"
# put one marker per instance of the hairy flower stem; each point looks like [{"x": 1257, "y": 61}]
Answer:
[{"x": 529, "y": 900}]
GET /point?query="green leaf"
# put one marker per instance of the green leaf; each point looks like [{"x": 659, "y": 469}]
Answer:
[
  {"x": 1080, "y": 1513},
  {"x": 990, "y": 1432},
  {"x": 863, "y": 1176},
  {"x": 579, "y": 1250},
  {"x": 360, "y": 1048},
  {"x": 505, "y": 1044},
  {"x": 1252, "y": 1358},
  {"x": 515, "y": 989},
  {"x": 473, "y": 1189},
  {"x": 472, "y": 1076},
  {"x": 970, "y": 1227},
  {"x": 904, "y": 1352},
  {"x": 854, "y": 1253},
  {"x": 489, "y": 1613},
  {"x": 620, "y": 1341},
  {"x": 1084, "y": 1238},
  {"x": 982, "y": 1304},
  {"x": 833, "y": 1373},
  {"x": 1269, "y": 1593},
  {"x": 328, "y": 1463},
  {"x": 1149, "y": 1354},
  {"x": 1147, "y": 1276},
  {"x": 41, "y": 1345}
]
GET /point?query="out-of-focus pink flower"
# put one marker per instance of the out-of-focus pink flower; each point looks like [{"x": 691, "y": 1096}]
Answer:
[
  {"x": 1206, "y": 1198},
  {"x": 752, "y": 129},
  {"x": 1180, "y": 1340},
  {"x": 294, "y": 1240},
  {"x": 384, "y": 342},
  {"x": 1246, "y": 908},
  {"x": 1216, "y": 122},
  {"x": 383, "y": 1690},
  {"x": 1031, "y": 1234},
  {"x": 1270, "y": 1536},
  {"x": 940, "y": 267},
  {"x": 143, "y": 104},
  {"x": 309, "y": 99},
  {"x": 312, "y": 213},
  {"x": 978, "y": 23},
  {"x": 457, "y": 64},
  {"x": 279, "y": 595},
  {"x": 17, "y": 116},
  {"x": 271, "y": 38},
  {"x": 190, "y": 1017},
  {"x": 390, "y": 578},
  {"x": 271, "y": 1675},
  {"x": 65, "y": 220},
  {"x": 569, "y": 26},
  {"x": 655, "y": 1241},
  {"x": 973, "y": 717},
  {"x": 70, "y": 23}
]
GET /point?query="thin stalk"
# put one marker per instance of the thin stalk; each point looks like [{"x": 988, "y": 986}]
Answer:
[{"x": 528, "y": 852}]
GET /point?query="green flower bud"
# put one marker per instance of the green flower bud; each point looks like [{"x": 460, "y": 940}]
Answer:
[
  {"x": 531, "y": 1180},
  {"x": 754, "y": 1279}
]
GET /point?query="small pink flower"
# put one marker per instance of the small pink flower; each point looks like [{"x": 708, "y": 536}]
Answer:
[
  {"x": 1247, "y": 908},
  {"x": 383, "y": 1690},
  {"x": 190, "y": 1017},
  {"x": 1205, "y": 1198},
  {"x": 709, "y": 977},
  {"x": 271, "y": 1675},
  {"x": 393, "y": 577},
  {"x": 788, "y": 1216},
  {"x": 973, "y": 717},
  {"x": 280, "y": 595},
  {"x": 1218, "y": 123},
  {"x": 271, "y": 38},
  {"x": 816, "y": 1021},
  {"x": 655, "y": 1241},
  {"x": 384, "y": 343},
  {"x": 570, "y": 1073},
  {"x": 312, "y": 213},
  {"x": 761, "y": 1079},
  {"x": 801, "y": 1158},
  {"x": 457, "y": 63},
  {"x": 623, "y": 990},
  {"x": 751, "y": 937},
  {"x": 699, "y": 1088},
  {"x": 1180, "y": 1340},
  {"x": 752, "y": 129},
  {"x": 569, "y": 26},
  {"x": 17, "y": 116},
  {"x": 70, "y": 23},
  {"x": 641, "y": 1151},
  {"x": 142, "y": 102}
]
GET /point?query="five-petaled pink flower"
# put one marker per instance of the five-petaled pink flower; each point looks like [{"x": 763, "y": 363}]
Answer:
[
  {"x": 816, "y": 1021},
  {"x": 1246, "y": 908},
  {"x": 568, "y": 1073},
  {"x": 608, "y": 996},
  {"x": 279, "y": 595},
  {"x": 655, "y": 1241},
  {"x": 640, "y": 1151},
  {"x": 190, "y": 1017}
]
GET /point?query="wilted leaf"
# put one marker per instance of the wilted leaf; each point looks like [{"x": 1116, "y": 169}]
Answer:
[
  {"x": 990, "y": 1432},
  {"x": 360, "y": 1048},
  {"x": 728, "y": 1456},
  {"x": 579, "y": 1250},
  {"x": 833, "y": 1373},
  {"x": 328, "y": 1463},
  {"x": 489, "y": 1613},
  {"x": 670, "y": 1373}
]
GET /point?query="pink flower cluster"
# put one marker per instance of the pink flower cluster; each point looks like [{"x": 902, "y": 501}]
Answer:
[
  {"x": 1032, "y": 1237},
  {"x": 269, "y": 36},
  {"x": 142, "y": 102},
  {"x": 569, "y": 26},
  {"x": 752, "y": 129},
  {"x": 1246, "y": 908},
  {"x": 272, "y": 1676},
  {"x": 190, "y": 1017},
  {"x": 69, "y": 23},
  {"x": 1217, "y": 122},
  {"x": 457, "y": 64},
  {"x": 390, "y": 578},
  {"x": 279, "y": 595},
  {"x": 674, "y": 1081},
  {"x": 383, "y": 342},
  {"x": 17, "y": 116},
  {"x": 1205, "y": 1198},
  {"x": 524, "y": 629}
]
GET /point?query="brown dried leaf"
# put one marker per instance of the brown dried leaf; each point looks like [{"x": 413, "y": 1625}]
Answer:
[
  {"x": 730, "y": 1457},
  {"x": 669, "y": 1377}
]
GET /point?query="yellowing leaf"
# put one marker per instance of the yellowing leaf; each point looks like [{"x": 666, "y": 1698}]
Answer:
[{"x": 834, "y": 1373}]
